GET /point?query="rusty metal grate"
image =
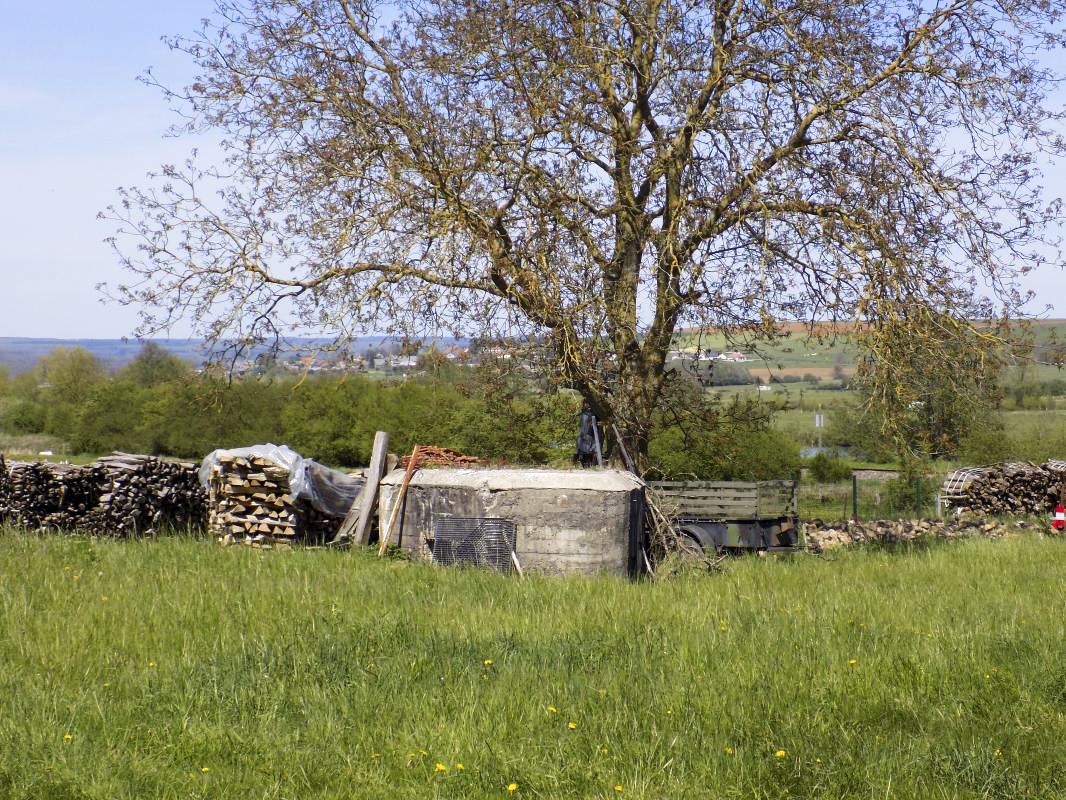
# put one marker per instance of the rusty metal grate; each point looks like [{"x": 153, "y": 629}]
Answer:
[{"x": 482, "y": 542}]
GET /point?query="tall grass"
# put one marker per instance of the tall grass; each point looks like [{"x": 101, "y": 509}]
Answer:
[{"x": 172, "y": 668}]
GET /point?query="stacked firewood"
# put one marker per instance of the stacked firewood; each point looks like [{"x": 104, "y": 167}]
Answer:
[
  {"x": 49, "y": 496},
  {"x": 143, "y": 495},
  {"x": 1006, "y": 488},
  {"x": 250, "y": 500},
  {"x": 121, "y": 495},
  {"x": 5, "y": 487}
]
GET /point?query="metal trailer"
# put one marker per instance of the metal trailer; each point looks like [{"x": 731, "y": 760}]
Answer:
[{"x": 733, "y": 516}]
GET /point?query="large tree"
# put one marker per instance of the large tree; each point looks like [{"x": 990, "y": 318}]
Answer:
[{"x": 589, "y": 175}]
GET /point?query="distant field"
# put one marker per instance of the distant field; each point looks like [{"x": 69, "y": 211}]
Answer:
[
  {"x": 799, "y": 352},
  {"x": 174, "y": 669},
  {"x": 823, "y": 373}
]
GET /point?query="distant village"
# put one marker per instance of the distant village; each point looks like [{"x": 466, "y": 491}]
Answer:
[{"x": 393, "y": 359}]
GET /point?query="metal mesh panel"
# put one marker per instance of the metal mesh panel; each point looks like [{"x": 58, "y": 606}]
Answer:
[
  {"x": 483, "y": 542},
  {"x": 956, "y": 484}
]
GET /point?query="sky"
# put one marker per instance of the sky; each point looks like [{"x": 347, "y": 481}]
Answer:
[{"x": 75, "y": 124}]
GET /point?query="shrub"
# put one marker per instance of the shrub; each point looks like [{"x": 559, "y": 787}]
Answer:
[
  {"x": 828, "y": 469},
  {"x": 987, "y": 444}
]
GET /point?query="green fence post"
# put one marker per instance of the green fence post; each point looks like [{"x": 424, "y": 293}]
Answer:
[{"x": 854, "y": 496}]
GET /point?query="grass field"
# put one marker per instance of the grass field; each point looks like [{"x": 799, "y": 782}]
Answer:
[{"x": 174, "y": 669}]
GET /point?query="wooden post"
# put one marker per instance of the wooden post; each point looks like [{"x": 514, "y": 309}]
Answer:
[
  {"x": 625, "y": 455},
  {"x": 356, "y": 525},
  {"x": 397, "y": 505}
]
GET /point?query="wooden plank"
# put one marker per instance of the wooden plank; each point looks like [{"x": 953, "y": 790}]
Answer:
[
  {"x": 716, "y": 512},
  {"x": 712, "y": 498},
  {"x": 397, "y": 503},
  {"x": 704, "y": 484},
  {"x": 356, "y": 525},
  {"x": 725, "y": 501}
]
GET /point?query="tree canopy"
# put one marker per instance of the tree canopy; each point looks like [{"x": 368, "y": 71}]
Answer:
[{"x": 591, "y": 175}]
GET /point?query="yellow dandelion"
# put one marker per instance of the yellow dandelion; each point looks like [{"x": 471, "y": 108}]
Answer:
[
  {"x": 552, "y": 709},
  {"x": 375, "y": 756},
  {"x": 511, "y": 787},
  {"x": 729, "y": 751},
  {"x": 458, "y": 766},
  {"x": 572, "y": 726},
  {"x": 853, "y": 661},
  {"x": 669, "y": 711},
  {"x": 440, "y": 767},
  {"x": 603, "y": 750},
  {"x": 618, "y": 788},
  {"x": 817, "y": 761},
  {"x": 487, "y": 662},
  {"x": 779, "y": 754},
  {"x": 67, "y": 737},
  {"x": 151, "y": 663},
  {"x": 205, "y": 770},
  {"x": 423, "y": 753}
]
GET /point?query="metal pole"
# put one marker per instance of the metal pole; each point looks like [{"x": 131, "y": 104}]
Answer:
[{"x": 854, "y": 496}]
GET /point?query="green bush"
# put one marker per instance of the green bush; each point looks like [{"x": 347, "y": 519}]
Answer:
[
  {"x": 23, "y": 416},
  {"x": 988, "y": 444},
  {"x": 729, "y": 453},
  {"x": 828, "y": 469}
]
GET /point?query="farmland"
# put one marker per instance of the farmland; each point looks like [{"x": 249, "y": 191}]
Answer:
[{"x": 170, "y": 668}]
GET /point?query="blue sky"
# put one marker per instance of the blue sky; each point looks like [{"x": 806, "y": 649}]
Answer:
[{"x": 75, "y": 124}]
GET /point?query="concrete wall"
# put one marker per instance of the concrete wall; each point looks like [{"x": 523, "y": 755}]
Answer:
[{"x": 568, "y": 521}]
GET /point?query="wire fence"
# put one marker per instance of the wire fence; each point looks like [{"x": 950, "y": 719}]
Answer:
[{"x": 880, "y": 497}]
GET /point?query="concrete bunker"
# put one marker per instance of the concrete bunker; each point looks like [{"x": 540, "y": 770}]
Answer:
[{"x": 566, "y": 521}]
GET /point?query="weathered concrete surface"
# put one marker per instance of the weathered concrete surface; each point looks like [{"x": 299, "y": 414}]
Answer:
[{"x": 568, "y": 521}]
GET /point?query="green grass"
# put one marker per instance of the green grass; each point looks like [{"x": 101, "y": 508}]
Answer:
[
  {"x": 178, "y": 669},
  {"x": 795, "y": 350},
  {"x": 26, "y": 447}
]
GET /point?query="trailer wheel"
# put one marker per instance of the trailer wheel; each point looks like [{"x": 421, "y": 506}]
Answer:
[{"x": 689, "y": 546}]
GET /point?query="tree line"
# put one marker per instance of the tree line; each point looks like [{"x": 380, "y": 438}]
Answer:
[{"x": 160, "y": 404}]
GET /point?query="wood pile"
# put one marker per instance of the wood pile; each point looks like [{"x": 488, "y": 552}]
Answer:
[
  {"x": 144, "y": 495},
  {"x": 1006, "y": 488},
  {"x": 49, "y": 496},
  {"x": 120, "y": 495},
  {"x": 822, "y": 535},
  {"x": 250, "y": 501},
  {"x": 5, "y": 488},
  {"x": 429, "y": 456}
]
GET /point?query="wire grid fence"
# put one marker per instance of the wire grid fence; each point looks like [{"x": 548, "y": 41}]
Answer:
[{"x": 884, "y": 496}]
